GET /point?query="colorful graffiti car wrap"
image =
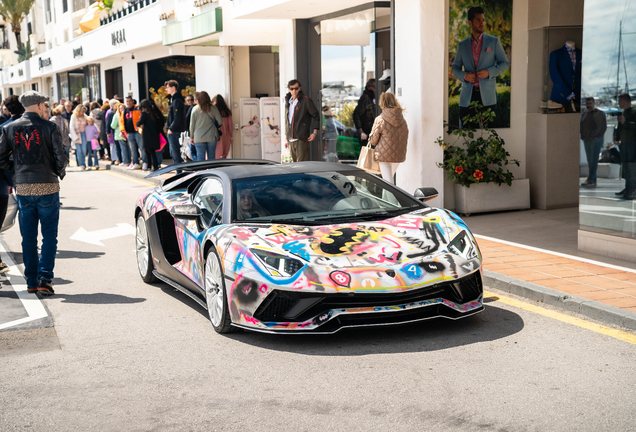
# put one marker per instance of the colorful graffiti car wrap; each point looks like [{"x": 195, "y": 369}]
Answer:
[{"x": 428, "y": 249}]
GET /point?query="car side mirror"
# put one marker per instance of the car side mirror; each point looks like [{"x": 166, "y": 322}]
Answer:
[
  {"x": 425, "y": 194},
  {"x": 185, "y": 211}
]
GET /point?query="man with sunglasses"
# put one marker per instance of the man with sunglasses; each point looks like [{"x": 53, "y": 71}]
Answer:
[
  {"x": 302, "y": 122},
  {"x": 32, "y": 148}
]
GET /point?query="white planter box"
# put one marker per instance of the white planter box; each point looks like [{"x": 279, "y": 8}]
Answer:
[
  {"x": 605, "y": 170},
  {"x": 488, "y": 197}
]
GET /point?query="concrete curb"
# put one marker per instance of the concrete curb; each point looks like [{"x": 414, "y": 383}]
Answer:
[
  {"x": 106, "y": 165},
  {"x": 538, "y": 293}
]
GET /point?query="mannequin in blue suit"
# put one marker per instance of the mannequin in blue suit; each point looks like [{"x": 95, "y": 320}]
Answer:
[
  {"x": 478, "y": 80},
  {"x": 566, "y": 77}
]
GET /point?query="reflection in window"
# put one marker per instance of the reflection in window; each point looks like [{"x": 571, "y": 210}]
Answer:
[
  {"x": 607, "y": 202},
  {"x": 355, "y": 51}
]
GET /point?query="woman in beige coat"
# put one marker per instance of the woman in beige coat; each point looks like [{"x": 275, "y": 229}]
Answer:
[{"x": 389, "y": 136}]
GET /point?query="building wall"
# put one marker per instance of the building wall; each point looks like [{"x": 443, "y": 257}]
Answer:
[{"x": 420, "y": 69}]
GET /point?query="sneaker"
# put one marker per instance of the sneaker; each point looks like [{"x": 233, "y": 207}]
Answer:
[
  {"x": 145, "y": 167},
  {"x": 96, "y": 167},
  {"x": 116, "y": 162},
  {"x": 130, "y": 166},
  {"x": 588, "y": 183},
  {"x": 32, "y": 290},
  {"x": 3, "y": 268},
  {"x": 135, "y": 167},
  {"x": 45, "y": 288},
  {"x": 83, "y": 168}
]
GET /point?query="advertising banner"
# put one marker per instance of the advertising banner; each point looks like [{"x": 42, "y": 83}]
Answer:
[
  {"x": 481, "y": 34},
  {"x": 270, "y": 129},
  {"x": 250, "y": 128}
]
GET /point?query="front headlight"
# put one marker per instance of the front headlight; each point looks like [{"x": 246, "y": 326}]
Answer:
[
  {"x": 464, "y": 246},
  {"x": 278, "y": 264}
]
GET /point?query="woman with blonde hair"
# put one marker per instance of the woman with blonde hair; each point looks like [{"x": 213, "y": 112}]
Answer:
[
  {"x": 78, "y": 135},
  {"x": 205, "y": 120},
  {"x": 248, "y": 207},
  {"x": 389, "y": 136}
]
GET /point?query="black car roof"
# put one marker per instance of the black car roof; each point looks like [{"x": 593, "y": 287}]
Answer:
[{"x": 246, "y": 171}]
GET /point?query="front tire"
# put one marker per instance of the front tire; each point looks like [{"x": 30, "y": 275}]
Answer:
[
  {"x": 216, "y": 295},
  {"x": 144, "y": 256}
]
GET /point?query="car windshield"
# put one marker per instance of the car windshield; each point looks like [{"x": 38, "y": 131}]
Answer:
[{"x": 318, "y": 198}]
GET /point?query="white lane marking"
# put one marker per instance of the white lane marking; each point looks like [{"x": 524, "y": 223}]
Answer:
[
  {"x": 94, "y": 237},
  {"x": 559, "y": 254},
  {"x": 32, "y": 304}
]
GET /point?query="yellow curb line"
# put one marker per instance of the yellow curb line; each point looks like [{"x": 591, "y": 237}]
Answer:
[
  {"x": 597, "y": 328},
  {"x": 125, "y": 177}
]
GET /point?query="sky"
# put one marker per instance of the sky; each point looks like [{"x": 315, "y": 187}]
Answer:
[
  {"x": 600, "y": 44},
  {"x": 342, "y": 63}
]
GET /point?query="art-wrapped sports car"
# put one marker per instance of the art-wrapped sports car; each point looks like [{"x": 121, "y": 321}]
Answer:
[{"x": 307, "y": 247}]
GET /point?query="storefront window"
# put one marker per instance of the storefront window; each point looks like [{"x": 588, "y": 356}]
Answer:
[
  {"x": 607, "y": 198},
  {"x": 62, "y": 79},
  {"x": 153, "y": 74},
  {"x": 355, "y": 70},
  {"x": 93, "y": 82}
]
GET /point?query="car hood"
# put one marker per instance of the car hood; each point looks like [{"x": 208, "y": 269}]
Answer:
[{"x": 427, "y": 238}]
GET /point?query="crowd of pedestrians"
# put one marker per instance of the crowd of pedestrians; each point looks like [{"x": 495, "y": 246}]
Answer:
[{"x": 123, "y": 132}]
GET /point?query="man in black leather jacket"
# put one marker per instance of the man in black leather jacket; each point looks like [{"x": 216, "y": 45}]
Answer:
[{"x": 32, "y": 148}]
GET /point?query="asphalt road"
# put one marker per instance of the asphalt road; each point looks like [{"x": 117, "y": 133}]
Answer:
[{"x": 126, "y": 356}]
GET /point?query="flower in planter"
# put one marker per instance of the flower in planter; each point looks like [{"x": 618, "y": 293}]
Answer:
[{"x": 478, "y": 151}]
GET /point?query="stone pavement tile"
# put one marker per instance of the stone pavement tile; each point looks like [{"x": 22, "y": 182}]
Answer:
[
  {"x": 555, "y": 282},
  {"x": 627, "y": 291},
  {"x": 622, "y": 276},
  {"x": 601, "y": 295},
  {"x": 532, "y": 263},
  {"x": 598, "y": 282},
  {"x": 498, "y": 267},
  {"x": 495, "y": 255},
  {"x": 524, "y": 274},
  {"x": 558, "y": 260},
  {"x": 560, "y": 271},
  {"x": 506, "y": 248},
  {"x": 537, "y": 255},
  {"x": 512, "y": 258},
  {"x": 625, "y": 302},
  {"x": 595, "y": 269},
  {"x": 489, "y": 261}
]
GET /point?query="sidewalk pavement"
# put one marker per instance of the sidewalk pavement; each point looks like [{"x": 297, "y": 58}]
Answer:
[{"x": 583, "y": 284}]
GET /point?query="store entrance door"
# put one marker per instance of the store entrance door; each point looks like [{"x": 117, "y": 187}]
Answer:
[{"x": 114, "y": 82}]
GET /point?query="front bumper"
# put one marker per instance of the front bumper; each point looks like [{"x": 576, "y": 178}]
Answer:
[{"x": 300, "y": 312}]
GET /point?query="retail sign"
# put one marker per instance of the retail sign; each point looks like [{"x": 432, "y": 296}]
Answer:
[
  {"x": 201, "y": 3},
  {"x": 270, "y": 128},
  {"x": 44, "y": 62},
  {"x": 79, "y": 52},
  {"x": 250, "y": 128},
  {"x": 118, "y": 37}
]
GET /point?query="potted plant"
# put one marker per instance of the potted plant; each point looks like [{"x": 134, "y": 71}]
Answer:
[{"x": 476, "y": 159}]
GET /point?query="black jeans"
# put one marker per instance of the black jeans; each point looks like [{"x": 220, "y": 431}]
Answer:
[
  {"x": 628, "y": 162},
  {"x": 464, "y": 111}
]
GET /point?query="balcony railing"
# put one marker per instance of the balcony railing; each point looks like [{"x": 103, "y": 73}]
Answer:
[{"x": 125, "y": 11}]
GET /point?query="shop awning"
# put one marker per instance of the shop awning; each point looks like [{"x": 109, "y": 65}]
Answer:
[
  {"x": 290, "y": 9},
  {"x": 90, "y": 20},
  {"x": 198, "y": 26}
]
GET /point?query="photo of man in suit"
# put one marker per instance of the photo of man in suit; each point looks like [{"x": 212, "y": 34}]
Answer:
[{"x": 479, "y": 60}]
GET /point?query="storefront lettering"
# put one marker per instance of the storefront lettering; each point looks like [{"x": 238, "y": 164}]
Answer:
[
  {"x": 118, "y": 37},
  {"x": 79, "y": 52},
  {"x": 200, "y": 3},
  {"x": 44, "y": 62}
]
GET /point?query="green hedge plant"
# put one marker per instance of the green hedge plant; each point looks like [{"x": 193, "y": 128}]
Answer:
[{"x": 476, "y": 155}]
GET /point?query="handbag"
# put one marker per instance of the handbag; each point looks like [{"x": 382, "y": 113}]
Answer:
[
  {"x": 367, "y": 161},
  {"x": 95, "y": 144},
  {"x": 162, "y": 142}
]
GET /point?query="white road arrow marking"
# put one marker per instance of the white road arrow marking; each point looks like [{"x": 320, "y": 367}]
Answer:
[{"x": 94, "y": 237}]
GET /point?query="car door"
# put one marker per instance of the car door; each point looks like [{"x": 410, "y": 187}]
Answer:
[{"x": 208, "y": 197}]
